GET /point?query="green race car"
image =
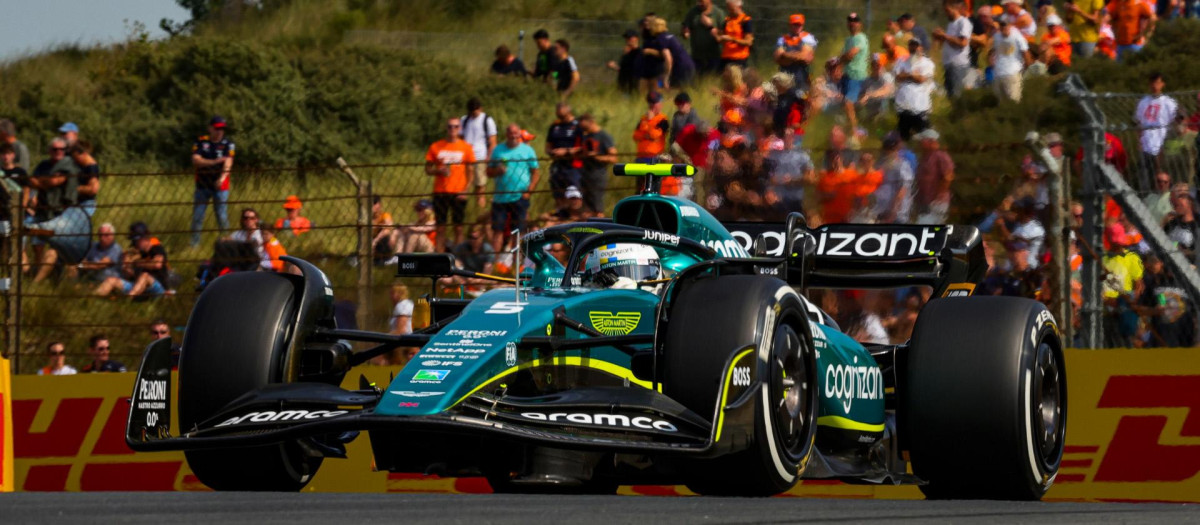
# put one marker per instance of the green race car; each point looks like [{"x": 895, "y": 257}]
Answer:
[{"x": 664, "y": 347}]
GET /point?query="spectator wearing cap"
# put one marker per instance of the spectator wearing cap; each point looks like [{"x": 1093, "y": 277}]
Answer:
[
  {"x": 956, "y": 49},
  {"x": 547, "y": 61},
  {"x": 1010, "y": 55},
  {"x": 628, "y": 66},
  {"x": 1058, "y": 40},
  {"x": 855, "y": 54},
  {"x": 212, "y": 156},
  {"x": 935, "y": 172},
  {"x": 684, "y": 115},
  {"x": 562, "y": 146},
  {"x": 144, "y": 269},
  {"x": 479, "y": 130},
  {"x": 292, "y": 221},
  {"x": 572, "y": 209},
  {"x": 1124, "y": 266},
  {"x": 421, "y": 235},
  {"x": 514, "y": 167},
  {"x": 598, "y": 151},
  {"x": 566, "y": 72},
  {"x": 102, "y": 260},
  {"x": 736, "y": 35},
  {"x": 446, "y": 161},
  {"x": 794, "y": 51},
  {"x": 69, "y": 132},
  {"x": 698, "y": 27},
  {"x": 507, "y": 63},
  {"x": 650, "y": 136},
  {"x": 894, "y": 198},
  {"x": 1084, "y": 18},
  {"x": 908, "y": 26},
  {"x": 8, "y": 135},
  {"x": 56, "y": 353},
  {"x": 914, "y": 91},
  {"x": 1132, "y": 22},
  {"x": 100, "y": 350}
]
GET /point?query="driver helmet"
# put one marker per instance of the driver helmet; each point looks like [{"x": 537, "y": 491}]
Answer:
[{"x": 622, "y": 263}]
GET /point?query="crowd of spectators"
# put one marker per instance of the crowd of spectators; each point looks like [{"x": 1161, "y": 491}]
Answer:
[{"x": 754, "y": 150}]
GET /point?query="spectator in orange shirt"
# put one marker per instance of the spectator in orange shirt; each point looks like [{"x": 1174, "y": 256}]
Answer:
[
  {"x": 892, "y": 53},
  {"x": 1132, "y": 21},
  {"x": 651, "y": 133},
  {"x": 293, "y": 222},
  {"x": 273, "y": 249},
  {"x": 736, "y": 35},
  {"x": 447, "y": 161},
  {"x": 1058, "y": 39}
]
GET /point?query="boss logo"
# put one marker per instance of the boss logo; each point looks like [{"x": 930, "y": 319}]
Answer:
[{"x": 741, "y": 376}]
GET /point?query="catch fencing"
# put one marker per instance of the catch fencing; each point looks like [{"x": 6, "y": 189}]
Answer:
[{"x": 1155, "y": 195}]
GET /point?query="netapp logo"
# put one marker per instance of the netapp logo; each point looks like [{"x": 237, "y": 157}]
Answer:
[
  {"x": 152, "y": 390},
  {"x": 604, "y": 420},
  {"x": 282, "y": 415},
  {"x": 876, "y": 244}
]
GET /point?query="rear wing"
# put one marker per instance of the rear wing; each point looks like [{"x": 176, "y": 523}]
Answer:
[{"x": 948, "y": 258}]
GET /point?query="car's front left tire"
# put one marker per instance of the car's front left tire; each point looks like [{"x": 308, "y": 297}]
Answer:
[
  {"x": 713, "y": 321},
  {"x": 235, "y": 342}
]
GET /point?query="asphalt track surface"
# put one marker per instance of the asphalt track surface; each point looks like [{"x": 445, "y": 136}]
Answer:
[{"x": 209, "y": 508}]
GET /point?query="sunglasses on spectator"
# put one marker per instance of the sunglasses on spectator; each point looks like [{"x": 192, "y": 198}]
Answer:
[
  {"x": 453, "y": 126},
  {"x": 164, "y": 331},
  {"x": 58, "y": 353},
  {"x": 249, "y": 217},
  {"x": 58, "y": 149},
  {"x": 1164, "y": 181},
  {"x": 101, "y": 348}
]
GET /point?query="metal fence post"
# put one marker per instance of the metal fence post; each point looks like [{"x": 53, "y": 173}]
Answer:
[
  {"x": 1092, "y": 134},
  {"x": 1058, "y": 267},
  {"x": 365, "y": 262}
]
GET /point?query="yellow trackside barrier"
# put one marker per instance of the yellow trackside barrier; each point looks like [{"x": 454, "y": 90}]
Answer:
[
  {"x": 1133, "y": 434},
  {"x": 7, "y": 482}
]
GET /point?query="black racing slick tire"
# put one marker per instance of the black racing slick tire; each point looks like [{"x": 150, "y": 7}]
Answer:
[
  {"x": 714, "y": 320},
  {"x": 235, "y": 342},
  {"x": 983, "y": 408}
]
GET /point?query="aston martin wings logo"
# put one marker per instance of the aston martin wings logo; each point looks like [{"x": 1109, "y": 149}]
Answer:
[{"x": 620, "y": 323}]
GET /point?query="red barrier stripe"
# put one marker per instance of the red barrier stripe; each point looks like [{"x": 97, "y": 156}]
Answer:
[
  {"x": 47, "y": 478},
  {"x": 63, "y": 438},
  {"x": 1075, "y": 463},
  {"x": 112, "y": 436},
  {"x": 1080, "y": 449},
  {"x": 130, "y": 476},
  {"x": 1070, "y": 478}
]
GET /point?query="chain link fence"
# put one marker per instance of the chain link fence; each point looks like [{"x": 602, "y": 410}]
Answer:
[{"x": 1137, "y": 232}]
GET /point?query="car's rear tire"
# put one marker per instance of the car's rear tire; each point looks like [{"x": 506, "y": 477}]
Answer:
[
  {"x": 235, "y": 343},
  {"x": 712, "y": 319},
  {"x": 984, "y": 403}
]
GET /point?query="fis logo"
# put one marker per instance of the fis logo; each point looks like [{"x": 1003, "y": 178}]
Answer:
[{"x": 620, "y": 323}]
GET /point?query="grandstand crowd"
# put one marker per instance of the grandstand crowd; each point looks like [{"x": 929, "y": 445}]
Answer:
[{"x": 753, "y": 150}]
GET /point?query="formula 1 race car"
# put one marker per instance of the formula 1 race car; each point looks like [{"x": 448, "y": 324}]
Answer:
[{"x": 658, "y": 347}]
